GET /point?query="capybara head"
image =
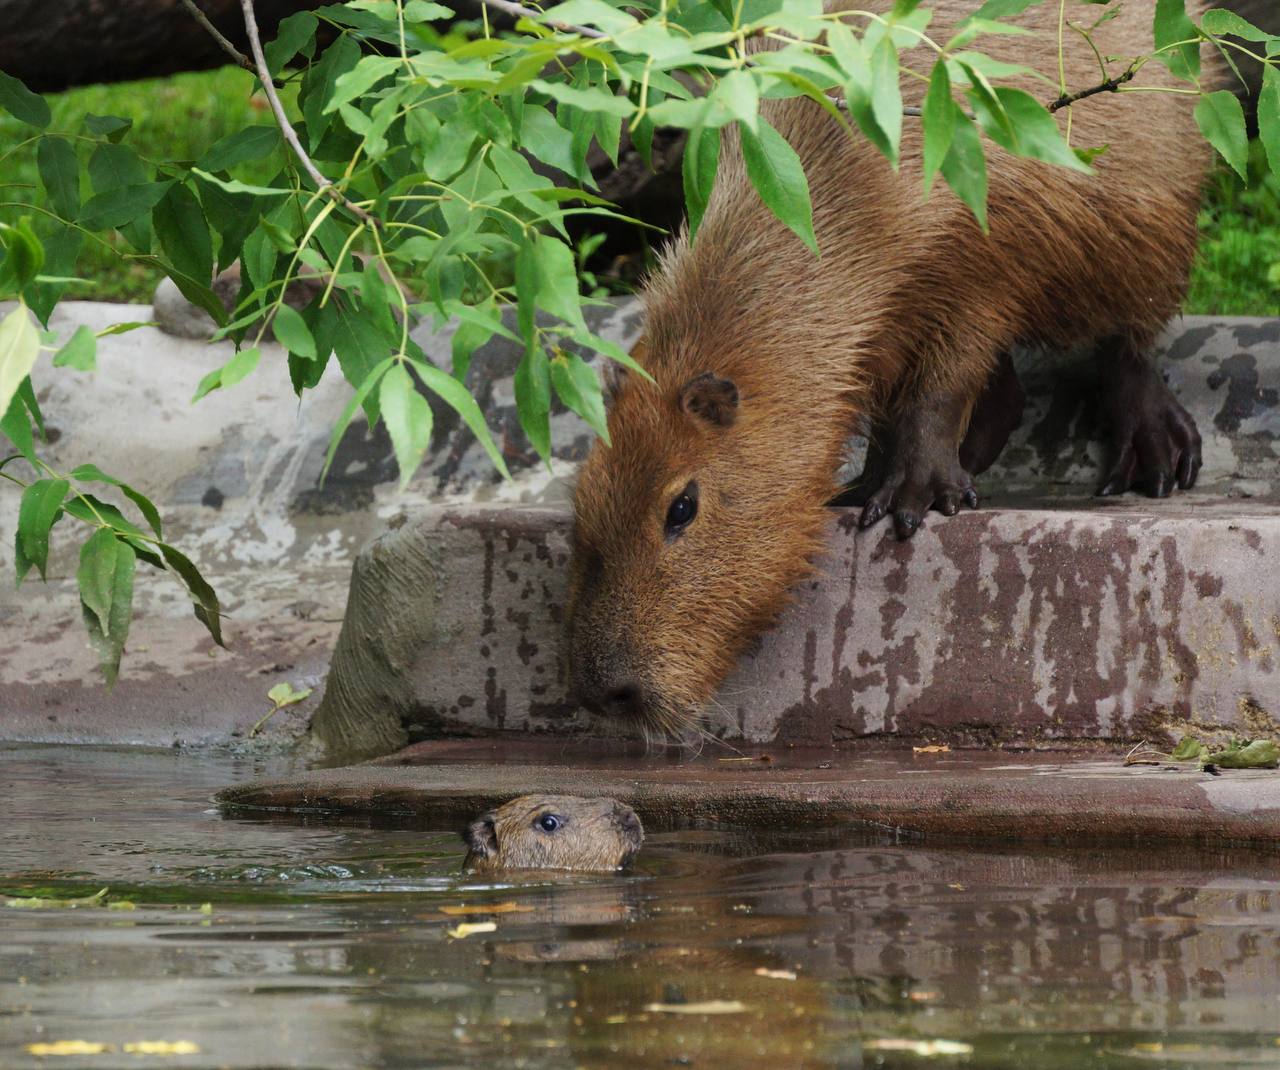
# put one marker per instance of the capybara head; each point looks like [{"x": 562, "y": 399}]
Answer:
[
  {"x": 554, "y": 832},
  {"x": 690, "y": 529}
]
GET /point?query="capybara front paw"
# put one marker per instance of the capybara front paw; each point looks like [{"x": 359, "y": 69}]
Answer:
[{"x": 908, "y": 495}]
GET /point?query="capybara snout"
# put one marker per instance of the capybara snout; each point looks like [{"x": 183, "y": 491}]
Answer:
[{"x": 554, "y": 832}]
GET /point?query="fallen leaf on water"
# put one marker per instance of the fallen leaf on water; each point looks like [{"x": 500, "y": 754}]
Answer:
[
  {"x": 489, "y": 908},
  {"x": 41, "y": 902},
  {"x": 922, "y": 997},
  {"x": 162, "y": 1047},
  {"x": 926, "y": 1048},
  {"x": 710, "y": 1006},
  {"x": 68, "y": 1047},
  {"x": 616, "y": 1019},
  {"x": 1258, "y": 754},
  {"x": 777, "y": 975},
  {"x": 468, "y": 928},
  {"x": 932, "y": 748}
]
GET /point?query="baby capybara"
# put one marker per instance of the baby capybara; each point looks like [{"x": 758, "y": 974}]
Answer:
[
  {"x": 711, "y": 503},
  {"x": 554, "y": 832}
]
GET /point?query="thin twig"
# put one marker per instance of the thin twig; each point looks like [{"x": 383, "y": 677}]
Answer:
[
  {"x": 223, "y": 43},
  {"x": 290, "y": 135},
  {"x": 1111, "y": 85},
  {"x": 522, "y": 12}
]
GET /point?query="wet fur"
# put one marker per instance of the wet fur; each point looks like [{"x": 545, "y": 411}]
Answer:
[
  {"x": 597, "y": 835},
  {"x": 906, "y": 295}
]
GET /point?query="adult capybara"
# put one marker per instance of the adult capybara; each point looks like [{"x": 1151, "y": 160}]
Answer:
[
  {"x": 712, "y": 501},
  {"x": 554, "y": 832}
]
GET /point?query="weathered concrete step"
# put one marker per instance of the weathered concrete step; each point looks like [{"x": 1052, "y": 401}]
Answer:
[
  {"x": 1045, "y": 622},
  {"x": 1047, "y": 797}
]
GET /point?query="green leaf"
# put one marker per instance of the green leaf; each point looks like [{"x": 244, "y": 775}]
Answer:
[
  {"x": 533, "y": 398},
  {"x": 550, "y": 142},
  {"x": 558, "y": 280},
  {"x": 60, "y": 173},
  {"x": 91, "y": 473},
  {"x": 207, "y": 610},
  {"x": 112, "y": 166},
  {"x": 1269, "y": 116},
  {"x": 1036, "y": 132},
  {"x": 15, "y": 425},
  {"x": 778, "y": 176},
  {"x": 19, "y": 347},
  {"x": 61, "y": 247},
  {"x": 579, "y": 388},
  {"x": 360, "y": 348},
  {"x": 234, "y": 185},
  {"x": 291, "y": 331},
  {"x": 360, "y": 79},
  {"x": 24, "y": 255},
  {"x": 1223, "y": 23},
  {"x": 1188, "y": 749},
  {"x": 108, "y": 126},
  {"x": 239, "y": 366},
  {"x": 23, "y": 104},
  {"x": 179, "y": 223},
  {"x": 939, "y": 121},
  {"x": 737, "y": 91},
  {"x": 122, "y": 205},
  {"x": 292, "y": 36},
  {"x": 251, "y": 143},
  {"x": 105, "y": 576},
  {"x": 1258, "y": 754},
  {"x": 701, "y": 160},
  {"x": 886, "y": 94},
  {"x": 1002, "y": 9},
  {"x": 286, "y": 694},
  {"x": 1170, "y": 26},
  {"x": 80, "y": 351},
  {"x": 38, "y": 511},
  {"x": 408, "y": 419},
  {"x": 317, "y": 86},
  {"x": 965, "y": 167},
  {"x": 459, "y": 398},
  {"x": 1220, "y": 117}
]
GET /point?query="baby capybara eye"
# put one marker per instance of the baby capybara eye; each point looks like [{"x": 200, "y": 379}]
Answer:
[
  {"x": 549, "y": 822},
  {"x": 683, "y": 509}
]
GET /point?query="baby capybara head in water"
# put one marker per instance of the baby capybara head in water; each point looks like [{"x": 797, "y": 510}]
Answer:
[
  {"x": 690, "y": 528},
  {"x": 554, "y": 832}
]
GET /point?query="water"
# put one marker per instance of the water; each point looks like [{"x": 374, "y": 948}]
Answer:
[{"x": 327, "y": 946}]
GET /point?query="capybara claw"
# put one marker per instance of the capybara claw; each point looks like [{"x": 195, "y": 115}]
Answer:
[
  {"x": 872, "y": 512},
  {"x": 970, "y": 497},
  {"x": 905, "y": 524}
]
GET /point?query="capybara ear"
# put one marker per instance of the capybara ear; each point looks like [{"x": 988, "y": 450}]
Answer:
[
  {"x": 482, "y": 836},
  {"x": 710, "y": 398}
]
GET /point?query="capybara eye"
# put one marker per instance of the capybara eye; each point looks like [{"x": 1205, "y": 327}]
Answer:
[
  {"x": 549, "y": 822},
  {"x": 682, "y": 511}
]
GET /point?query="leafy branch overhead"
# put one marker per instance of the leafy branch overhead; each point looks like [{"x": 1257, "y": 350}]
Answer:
[{"x": 430, "y": 170}]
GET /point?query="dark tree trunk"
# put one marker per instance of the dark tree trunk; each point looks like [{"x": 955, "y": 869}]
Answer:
[{"x": 52, "y": 46}]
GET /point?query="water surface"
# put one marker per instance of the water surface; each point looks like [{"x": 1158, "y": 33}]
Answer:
[{"x": 297, "y": 943}]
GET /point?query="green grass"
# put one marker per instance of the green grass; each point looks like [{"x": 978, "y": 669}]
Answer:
[
  {"x": 1237, "y": 272},
  {"x": 1238, "y": 269}
]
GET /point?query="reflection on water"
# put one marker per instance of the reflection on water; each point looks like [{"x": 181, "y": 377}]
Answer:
[{"x": 328, "y": 947}]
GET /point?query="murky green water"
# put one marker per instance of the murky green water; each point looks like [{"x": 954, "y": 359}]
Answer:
[{"x": 328, "y": 946}]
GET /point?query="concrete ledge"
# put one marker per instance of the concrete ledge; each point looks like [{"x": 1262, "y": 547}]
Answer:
[
  {"x": 1026, "y": 624},
  {"x": 1058, "y": 798}
]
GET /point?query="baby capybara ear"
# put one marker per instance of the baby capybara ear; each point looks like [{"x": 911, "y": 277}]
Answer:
[
  {"x": 710, "y": 398},
  {"x": 482, "y": 836}
]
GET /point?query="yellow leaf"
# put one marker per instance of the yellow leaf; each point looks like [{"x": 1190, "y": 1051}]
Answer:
[
  {"x": 471, "y": 928},
  {"x": 920, "y": 1047},
  {"x": 19, "y": 347},
  {"x": 69, "y": 1047},
  {"x": 777, "y": 975},
  {"x": 162, "y": 1047},
  {"x": 933, "y": 748},
  {"x": 488, "y": 908},
  {"x": 710, "y": 1006}
]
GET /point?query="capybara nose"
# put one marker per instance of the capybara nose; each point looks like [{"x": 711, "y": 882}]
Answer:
[{"x": 624, "y": 700}]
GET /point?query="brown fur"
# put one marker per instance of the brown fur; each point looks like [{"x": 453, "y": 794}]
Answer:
[
  {"x": 593, "y": 835},
  {"x": 905, "y": 294}
]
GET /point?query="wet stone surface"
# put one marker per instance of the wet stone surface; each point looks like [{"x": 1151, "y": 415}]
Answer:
[{"x": 329, "y": 945}]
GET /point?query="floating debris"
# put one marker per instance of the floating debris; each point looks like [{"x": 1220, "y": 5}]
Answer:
[
  {"x": 708, "y": 1006},
  {"x": 467, "y": 928},
  {"x": 488, "y": 908},
  {"x": 926, "y": 1048}
]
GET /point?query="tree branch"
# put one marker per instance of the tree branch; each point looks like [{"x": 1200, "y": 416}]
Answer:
[
  {"x": 226, "y": 46},
  {"x": 522, "y": 12},
  {"x": 290, "y": 135},
  {"x": 1111, "y": 85}
]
